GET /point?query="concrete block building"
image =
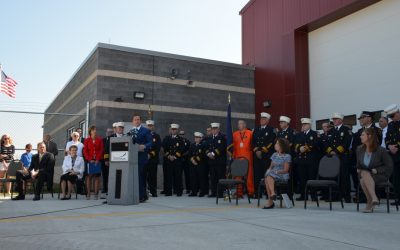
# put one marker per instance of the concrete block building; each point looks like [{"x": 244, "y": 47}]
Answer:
[{"x": 119, "y": 81}]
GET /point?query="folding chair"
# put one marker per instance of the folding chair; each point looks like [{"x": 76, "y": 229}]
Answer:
[
  {"x": 238, "y": 168},
  {"x": 386, "y": 185},
  {"x": 10, "y": 175},
  {"x": 328, "y": 178}
]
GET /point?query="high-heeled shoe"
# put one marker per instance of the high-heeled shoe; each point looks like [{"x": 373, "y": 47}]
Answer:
[
  {"x": 270, "y": 207},
  {"x": 273, "y": 197}
]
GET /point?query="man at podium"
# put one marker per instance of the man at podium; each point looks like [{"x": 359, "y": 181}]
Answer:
[{"x": 141, "y": 136}]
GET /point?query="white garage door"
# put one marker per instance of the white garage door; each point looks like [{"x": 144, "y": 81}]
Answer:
[{"x": 355, "y": 62}]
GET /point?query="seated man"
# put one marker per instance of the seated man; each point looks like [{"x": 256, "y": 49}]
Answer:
[
  {"x": 41, "y": 169},
  {"x": 26, "y": 157}
]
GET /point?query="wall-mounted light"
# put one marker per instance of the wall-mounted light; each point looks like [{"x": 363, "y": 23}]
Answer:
[
  {"x": 174, "y": 74},
  {"x": 190, "y": 84},
  {"x": 267, "y": 103},
  {"x": 138, "y": 95},
  {"x": 118, "y": 99}
]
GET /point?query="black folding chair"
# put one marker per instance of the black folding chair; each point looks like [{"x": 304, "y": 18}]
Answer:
[
  {"x": 11, "y": 175},
  {"x": 328, "y": 178},
  {"x": 386, "y": 185},
  {"x": 238, "y": 168}
]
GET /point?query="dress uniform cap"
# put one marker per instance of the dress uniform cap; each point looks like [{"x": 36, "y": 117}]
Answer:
[
  {"x": 114, "y": 125},
  {"x": 306, "y": 121},
  {"x": 390, "y": 110},
  {"x": 366, "y": 114},
  {"x": 174, "y": 126},
  {"x": 215, "y": 125},
  {"x": 337, "y": 116},
  {"x": 149, "y": 122},
  {"x": 198, "y": 134},
  {"x": 119, "y": 124},
  {"x": 265, "y": 115},
  {"x": 283, "y": 118}
]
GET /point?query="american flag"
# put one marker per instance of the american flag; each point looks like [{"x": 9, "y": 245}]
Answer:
[{"x": 7, "y": 85}]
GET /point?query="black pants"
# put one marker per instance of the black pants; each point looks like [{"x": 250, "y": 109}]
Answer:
[
  {"x": 395, "y": 178},
  {"x": 345, "y": 187},
  {"x": 186, "y": 172},
  {"x": 308, "y": 170},
  {"x": 217, "y": 172},
  {"x": 20, "y": 178},
  {"x": 105, "y": 170},
  {"x": 40, "y": 179},
  {"x": 198, "y": 180},
  {"x": 259, "y": 168},
  {"x": 173, "y": 177},
  {"x": 151, "y": 177}
]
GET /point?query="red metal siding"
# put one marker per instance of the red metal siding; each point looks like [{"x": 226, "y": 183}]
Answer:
[{"x": 275, "y": 41}]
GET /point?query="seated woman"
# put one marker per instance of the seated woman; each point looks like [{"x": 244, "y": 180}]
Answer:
[
  {"x": 374, "y": 165},
  {"x": 7, "y": 151},
  {"x": 73, "y": 168},
  {"x": 278, "y": 170}
]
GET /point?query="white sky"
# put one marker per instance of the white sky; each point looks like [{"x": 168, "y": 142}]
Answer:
[{"x": 43, "y": 42}]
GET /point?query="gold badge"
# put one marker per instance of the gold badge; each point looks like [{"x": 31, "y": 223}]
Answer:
[
  {"x": 266, "y": 134},
  {"x": 177, "y": 144},
  {"x": 154, "y": 139},
  {"x": 285, "y": 136},
  {"x": 199, "y": 150},
  {"x": 219, "y": 141},
  {"x": 342, "y": 134},
  {"x": 311, "y": 138}
]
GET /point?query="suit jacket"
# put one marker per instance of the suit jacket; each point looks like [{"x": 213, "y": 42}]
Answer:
[
  {"x": 51, "y": 147},
  {"x": 93, "y": 151},
  {"x": 380, "y": 160},
  {"x": 46, "y": 164},
  {"x": 142, "y": 137}
]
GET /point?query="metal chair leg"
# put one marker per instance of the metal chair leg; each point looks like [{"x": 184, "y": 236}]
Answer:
[
  {"x": 258, "y": 194},
  {"x": 317, "y": 202},
  {"x": 237, "y": 196},
  {"x": 217, "y": 193},
  {"x": 387, "y": 199},
  {"x": 305, "y": 198},
  {"x": 358, "y": 197},
  {"x": 330, "y": 198}
]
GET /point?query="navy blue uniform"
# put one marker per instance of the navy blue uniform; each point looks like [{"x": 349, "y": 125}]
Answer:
[
  {"x": 198, "y": 171},
  {"x": 263, "y": 140},
  {"x": 152, "y": 164},
  {"x": 173, "y": 146},
  {"x": 339, "y": 141},
  {"x": 393, "y": 138},
  {"x": 216, "y": 145},
  {"x": 307, "y": 161}
]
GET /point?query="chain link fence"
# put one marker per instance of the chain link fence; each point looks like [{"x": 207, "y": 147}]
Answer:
[{"x": 28, "y": 128}]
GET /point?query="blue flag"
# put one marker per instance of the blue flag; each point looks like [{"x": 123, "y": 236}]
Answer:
[{"x": 229, "y": 131}]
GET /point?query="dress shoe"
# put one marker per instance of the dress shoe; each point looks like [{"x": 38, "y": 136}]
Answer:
[
  {"x": 143, "y": 200},
  {"x": 201, "y": 195},
  {"x": 192, "y": 194},
  {"x": 36, "y": 198},
  {"x": 179, "y": 194},
  {"x": 168, "y": 194},
  {"x": 394, "y": 203},
  {"x": 18, "y": 198},
  {"x": 162, "y": 192},
  {"x": 273, "y": 197},
  {"x": 153, "y": 194},
  {"x": 212, "y": 196},
  {"x": 187, "y": 191},
  {"x": 269, "y": 207}
]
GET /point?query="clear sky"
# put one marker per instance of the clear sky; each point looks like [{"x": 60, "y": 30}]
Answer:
[{"x": 43, "y": 42}]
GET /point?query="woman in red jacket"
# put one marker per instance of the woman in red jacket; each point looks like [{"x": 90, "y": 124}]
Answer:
[{"x": 93, "y": 153}]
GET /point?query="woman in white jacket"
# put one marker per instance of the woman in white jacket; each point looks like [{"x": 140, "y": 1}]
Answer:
[{"x": 73, "y": 168}]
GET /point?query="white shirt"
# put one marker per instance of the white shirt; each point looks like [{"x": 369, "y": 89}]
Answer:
[
  {"x": 79, "y": 165},
  {"x": 384, "y": 131},
  {"x": 78, "y": 144}
]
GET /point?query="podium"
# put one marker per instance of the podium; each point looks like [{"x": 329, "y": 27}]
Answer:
[{"x": 123, "y": 179}]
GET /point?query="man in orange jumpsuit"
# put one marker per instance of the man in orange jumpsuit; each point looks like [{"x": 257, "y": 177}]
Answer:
[{"x": 242, "y": 147}]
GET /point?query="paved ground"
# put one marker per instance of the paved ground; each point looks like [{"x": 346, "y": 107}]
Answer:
[{"x": 192, "y": 223}]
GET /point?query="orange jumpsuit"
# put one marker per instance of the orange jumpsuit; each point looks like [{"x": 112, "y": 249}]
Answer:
[{"x": 242, "y": 147}]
